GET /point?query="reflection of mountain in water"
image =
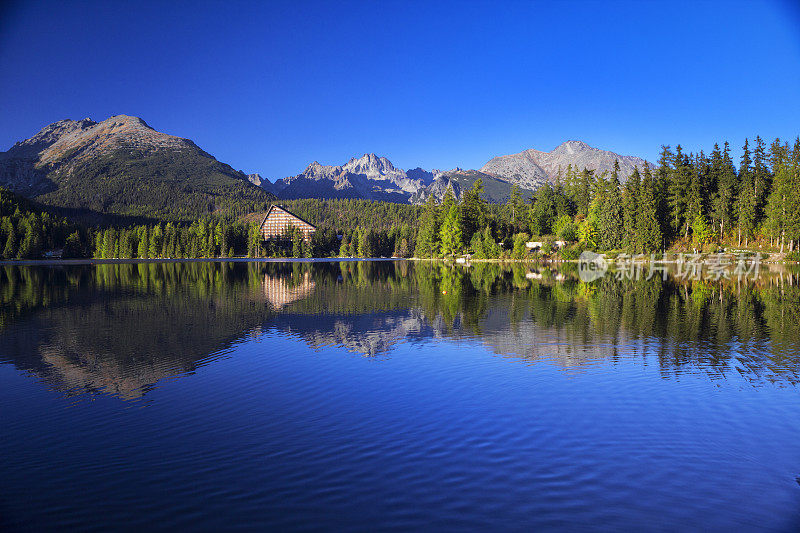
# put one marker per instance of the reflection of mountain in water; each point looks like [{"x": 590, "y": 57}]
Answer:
[
  {"x": 119, "y": 329},
  {"x": 371, "y": 335}
]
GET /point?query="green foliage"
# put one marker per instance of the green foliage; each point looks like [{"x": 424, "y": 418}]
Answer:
[
  {"x": 610, "y": 214},
  {"x": 702, "y": 233},
  {"x": 473, "y": 210},
  {"x": 428, "y": 236},
  {"x": 450, "y": 233},
  {"x": 565, "y": 229},
  {"x": 27, "y": 231},
  {"x": 162, "y": 185},
  {"x": 520, "y": 251}
]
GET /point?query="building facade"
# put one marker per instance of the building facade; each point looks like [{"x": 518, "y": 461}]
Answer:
[{"x": 278, "y": 222}]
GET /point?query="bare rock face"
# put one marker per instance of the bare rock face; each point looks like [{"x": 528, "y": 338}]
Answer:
[
  {"x": 369, "y": 177},
  {"x": 532, "y": 168},
  {"x": 437, "y": 190}
]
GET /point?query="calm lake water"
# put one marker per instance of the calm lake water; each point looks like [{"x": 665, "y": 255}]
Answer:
[{"x": 380, "y": 395}]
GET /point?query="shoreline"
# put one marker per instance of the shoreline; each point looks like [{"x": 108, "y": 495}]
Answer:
[
  {"x": 56, "y": 262},
  {"x": 467, "y": 262}
]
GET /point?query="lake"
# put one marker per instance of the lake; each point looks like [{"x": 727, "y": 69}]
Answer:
[{"x": 369, "y": 396}]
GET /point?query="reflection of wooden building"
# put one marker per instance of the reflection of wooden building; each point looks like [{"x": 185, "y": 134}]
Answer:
[
  {"x": 278, "y": 222},
  {"x": 282, "y": 291}
]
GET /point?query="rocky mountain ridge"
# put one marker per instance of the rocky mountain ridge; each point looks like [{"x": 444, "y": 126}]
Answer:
[
  {"x": 532, "y": 168},
  {"x": 373, "y": 177},
  {"x": 122, "y": 165}
]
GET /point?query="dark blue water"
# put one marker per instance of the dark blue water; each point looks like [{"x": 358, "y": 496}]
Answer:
[{"x": 392, "y": 396}]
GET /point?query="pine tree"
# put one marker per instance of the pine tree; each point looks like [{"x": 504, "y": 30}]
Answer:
[
  {"x": 543, "y": 210},
  {"x": 450, "y": 233},
  {"x": 344, "y": 248},
  {"x": 254, "y": 240},
  {"x": 583, "y": 192},
  {"x": 10, "y": 248},
  {"x": 762, "y": 180},
  {"x": 610, "y": 215},
  {"x": 792, "y": 221},
  {"x": 144, "y": 242},
  {"x": 154, "y": 248},
  {"x": 727, "y": 186},
  {"x": 649, "y": 236},
  {"x": 746, "y": 201},
  {"x": 630, "y": 202},
  {"x": 516, "y": 208},
  {"x": 473, "y": 210},
  {"x": 428, "y": 236},
  {"x": 694, "y": 194},
  {"x": 110, "y": 243},
  {"x": 678, "y": 181}
]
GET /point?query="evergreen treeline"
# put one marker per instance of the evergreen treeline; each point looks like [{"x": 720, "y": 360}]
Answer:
[
  {"x": 27, "y": 232},
  {"x": 153, "y": 185},
  {"x": 689, "y": 201}
]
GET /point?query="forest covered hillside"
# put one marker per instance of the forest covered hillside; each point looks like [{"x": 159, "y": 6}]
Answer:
[{"x": 123, "y": 167}]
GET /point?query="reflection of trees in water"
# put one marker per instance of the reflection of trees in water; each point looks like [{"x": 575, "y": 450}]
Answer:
[{"x": 120, "y": 328}]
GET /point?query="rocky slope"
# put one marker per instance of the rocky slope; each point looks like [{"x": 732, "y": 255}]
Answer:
[
  {"x": 368, "y": 177},
  {"x": 532, "y": 168},
  {"x": 371, "y": 177},
  {"x": 122, "y": 166}
]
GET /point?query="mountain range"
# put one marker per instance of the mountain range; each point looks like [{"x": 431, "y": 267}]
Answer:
[{"x": 122, "y": 166}]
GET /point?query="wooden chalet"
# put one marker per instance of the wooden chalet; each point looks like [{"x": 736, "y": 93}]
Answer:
[{"x": 279, "y": 220}]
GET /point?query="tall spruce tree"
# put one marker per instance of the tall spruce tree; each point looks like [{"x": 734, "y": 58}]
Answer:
[
  {"x": 762, "y": 179},
  {"x": 776, "y": 204},
  {"x": 648, "y": 228},
  {"x": 746, "y": 201},
  {"x": 611, "y": 216},
  {"x": 630, "y": 202},
  {"x": 450, "y": 233},
  {"x": 583, "y": 191},
  {"x": 679, "y": 178},
  {"x": 428, "y": 236},
  {"x": 727, "y": 187},
  {"x": 515, "y": 207},
  {"x": 473, "y": 210}
]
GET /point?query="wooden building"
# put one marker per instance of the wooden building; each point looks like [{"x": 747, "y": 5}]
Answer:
[{"x": 278, "y": 221}]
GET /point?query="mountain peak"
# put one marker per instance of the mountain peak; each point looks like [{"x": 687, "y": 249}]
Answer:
[
  {"x": 571, "y": 147},
  {"x": 370, "y": 165},
  {"x": 531, "y": 168},
  {"x": 141, "y": 167},
  {"x": 125, "y": 121}
]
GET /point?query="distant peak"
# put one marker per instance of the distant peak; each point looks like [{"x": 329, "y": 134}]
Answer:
[
  {"x": 572, "y": 146},
  {"x": 127, "y": 120},
  {"x": 370, "y": 161}
]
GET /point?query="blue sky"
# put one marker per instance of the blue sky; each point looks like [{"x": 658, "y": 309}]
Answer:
[{"x": 271, "y": 86}]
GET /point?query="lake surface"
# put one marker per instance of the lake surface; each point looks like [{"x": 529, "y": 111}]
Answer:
[{"x": 395, "y": 396}]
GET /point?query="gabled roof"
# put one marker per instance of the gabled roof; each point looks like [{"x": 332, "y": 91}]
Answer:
[{"x": 273, "y": 206}]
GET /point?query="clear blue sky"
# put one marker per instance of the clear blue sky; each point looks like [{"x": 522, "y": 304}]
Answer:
[{"x": 271, "y": 86}]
